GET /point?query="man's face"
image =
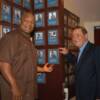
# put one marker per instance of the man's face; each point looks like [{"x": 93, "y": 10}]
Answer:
[
  {"x": 78, "y": 38},
  {"x": 27, "y": 23}
]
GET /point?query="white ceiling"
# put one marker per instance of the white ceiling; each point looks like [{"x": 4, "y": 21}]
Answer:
[{"x": 87, "y": 10}]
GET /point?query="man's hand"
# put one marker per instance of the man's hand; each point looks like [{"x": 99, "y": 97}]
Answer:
[
  {"x": 63, "y": 50},
  {"x": 48, "y": 67},
  {"x": 16, "y": 93}
]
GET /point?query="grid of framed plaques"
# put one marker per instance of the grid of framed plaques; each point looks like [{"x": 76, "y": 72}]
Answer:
[
  {"x": 48, "y": 36},
  {"x": 46, "y": 18},
  {"x": 10, "y": 14}
]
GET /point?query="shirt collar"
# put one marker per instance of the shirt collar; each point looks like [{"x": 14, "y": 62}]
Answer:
[{"x": 83, "y": 46}]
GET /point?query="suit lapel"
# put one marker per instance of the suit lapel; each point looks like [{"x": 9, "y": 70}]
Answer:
[{"x": 84, "y": 53}]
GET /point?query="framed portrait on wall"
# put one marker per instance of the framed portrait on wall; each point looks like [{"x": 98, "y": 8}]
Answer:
[
  {"x": 27, "y": 4},
  {"x": 70, "y": 32},
  {"x": 5, "y": 29},
  {"x": 52, "y": 18},
  {"x": 41, "y": 78},
  {"x": 17, "y": 2},
  {"x": 53, "y": 56},
  {"x": 39, "y": 38},
  {"x": 38, "y": 4},
  {"x": 16, "y": 15},
  {"x": 41, "y": 56},
  {"x": 39, "y": 20},
  {"x": 65, "y": 32},
  {"x": 53, "y": 37},
  {"x": 52, "y": 3},
  {"x": 6, "y": 12}
]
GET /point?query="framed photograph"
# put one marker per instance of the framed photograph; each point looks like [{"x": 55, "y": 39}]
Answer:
[
  {"x": 17, "y": 2},
  {"x": 53, "y": 56},
  {"x": 39, "y": 38},
  {"x": 38, "y": 4},
  {"x": 69, "y": 32},
  {"x": 65, "y": 19},
  {"x": 6, "y": 12},
  {"x": 27, "y": 4},
  {"x": 5, "y": 29},
  {"x": 41, "y": 78},
  {"x": 53, "y": 18},
  {"x": 39, "y": 19},
  {"x": 41, "y": 56},
  {"x": 65, "y": 32},
  {"x": 52, "y": 37},
  {"x": 69, "y": 21},
  {"x": 17, "y": 16},
  {"x": 52, "y": 3}
]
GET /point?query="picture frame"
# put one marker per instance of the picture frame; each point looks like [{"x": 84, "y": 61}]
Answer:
[
  {"x": 69, "y": 21},
  {"x": 17, "y": 2},
  {"x": 39, "y": 19},
  {"x": 65, "y": 32},
  {"x": 5, "y": 30},
  {"x": 53, "y": 18},
  {"x": 39, "y": 38},
  {"x": 52, "y": 3},
  {"x": 27, "y": 4},
  {"x": 65, "y": 19},
  {"x": 41, "y": 56},
  {"x": 53, "y": 56},
  {"x": 52, "y": 37},
  {"x": 16, "y": 15},
  {"x": 70, "y": 32},
  {"x": 6, "y": 12},
  {"x": 41, "y": 78},
  {"x": 38, "y": 4}
]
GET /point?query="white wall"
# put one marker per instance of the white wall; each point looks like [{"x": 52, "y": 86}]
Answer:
[{"x": 90, "y": 28}]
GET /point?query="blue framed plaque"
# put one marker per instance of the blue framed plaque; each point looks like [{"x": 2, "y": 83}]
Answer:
[
  {"x": 39, "y": 20},
  {"x": 17, "y": 2},
  {"x": 6, "y": 29},
  {"x": 53, "y": 56},
  {"x": 27, "y": 4},
  {"x": 39, "y": 38},
  {"x": 41, "y": 56},
  {"x": 17, "y": 16},
  {"x": 52, "y": 37},
  {"x": 38, "y": 4},
  {"x": 52, "y": 18},
  {"x": 52, "y": 3},
  {"x": 41, "y": 78},
  {"x": 6, "y": 12}
]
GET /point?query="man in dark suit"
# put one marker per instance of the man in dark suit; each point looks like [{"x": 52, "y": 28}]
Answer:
[{"x": 87, "y": 65}]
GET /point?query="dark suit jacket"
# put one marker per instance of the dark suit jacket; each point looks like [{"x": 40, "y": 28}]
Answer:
[{"x": 87, "y": 73}]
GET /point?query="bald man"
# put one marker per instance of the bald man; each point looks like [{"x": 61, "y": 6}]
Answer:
[{"x": 18, "y": 62}]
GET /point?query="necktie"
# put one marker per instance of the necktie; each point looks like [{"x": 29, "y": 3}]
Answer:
[{"x": 79, "y": 54}]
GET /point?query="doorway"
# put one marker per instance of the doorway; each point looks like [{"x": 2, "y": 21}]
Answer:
[{"x": 97, "y": 35}]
